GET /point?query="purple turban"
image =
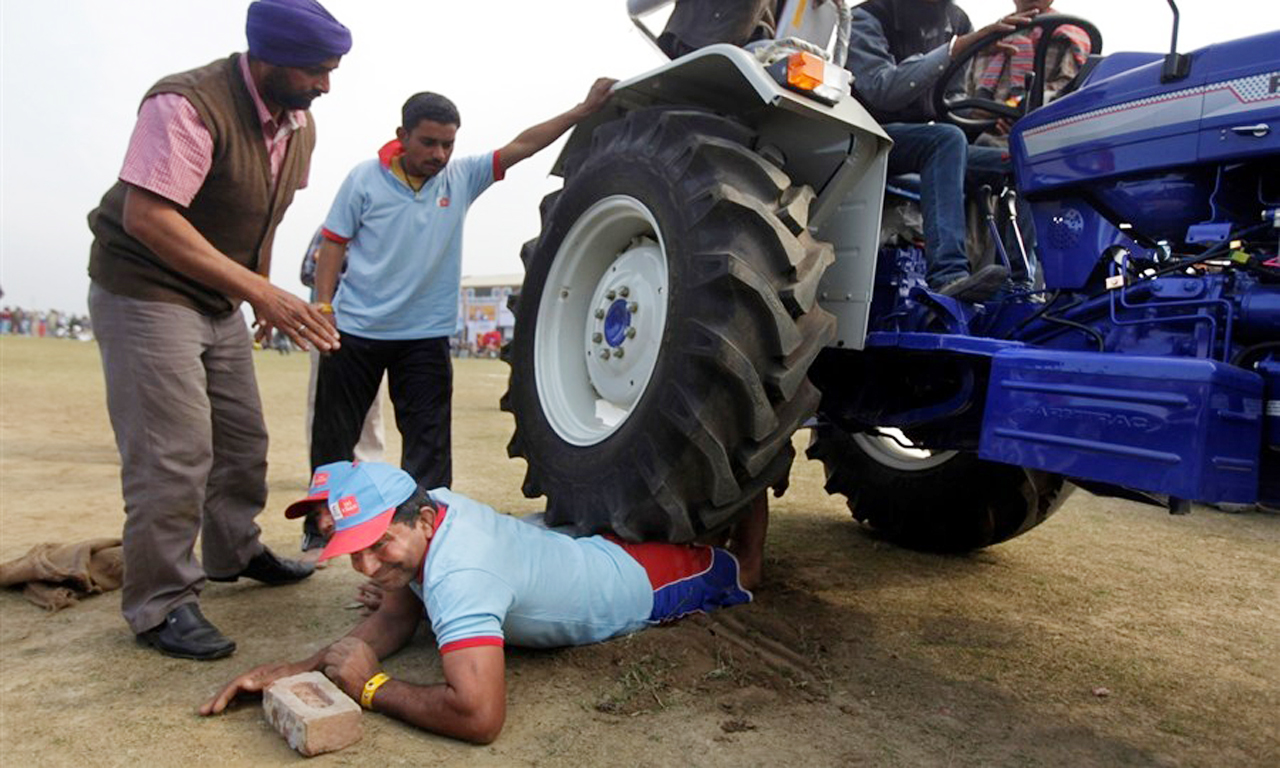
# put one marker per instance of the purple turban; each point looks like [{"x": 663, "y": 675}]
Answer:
[{"x": 294, "y": 33}]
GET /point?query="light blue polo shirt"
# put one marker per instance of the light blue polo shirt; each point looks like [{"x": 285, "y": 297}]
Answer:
[
  {"x": 487, "y": 582},
  {"x": 404, "y": 248}
]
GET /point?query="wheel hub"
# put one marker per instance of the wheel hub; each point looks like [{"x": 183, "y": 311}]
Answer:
[
  {"x": 621, "y": 336},
  {"x": 616, "y": 322}
]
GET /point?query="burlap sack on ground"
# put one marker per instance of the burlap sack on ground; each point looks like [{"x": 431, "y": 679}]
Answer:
[{"x": 54, "y": 576}]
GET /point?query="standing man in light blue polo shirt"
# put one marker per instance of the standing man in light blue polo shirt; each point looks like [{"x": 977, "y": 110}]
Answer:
[{"x": 397, "y": 222}]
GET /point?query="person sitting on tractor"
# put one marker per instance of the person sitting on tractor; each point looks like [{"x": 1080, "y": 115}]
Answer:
[
  {"x": 485, "y": 579},
  {"x": 1000, "y": 73},
  {"x": 897, "y": 51}
]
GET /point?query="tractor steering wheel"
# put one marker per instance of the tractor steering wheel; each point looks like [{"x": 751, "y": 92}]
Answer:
[{"x": 949, "y": 105}]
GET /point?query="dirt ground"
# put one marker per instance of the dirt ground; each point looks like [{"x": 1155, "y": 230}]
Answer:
[{"x": 854, "y": 653}]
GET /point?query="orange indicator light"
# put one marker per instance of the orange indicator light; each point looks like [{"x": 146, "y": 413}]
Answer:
[{"x": 804, "y": 71}]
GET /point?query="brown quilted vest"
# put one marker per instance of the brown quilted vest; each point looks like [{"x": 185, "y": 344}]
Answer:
[{"x": 236, "y": 208}]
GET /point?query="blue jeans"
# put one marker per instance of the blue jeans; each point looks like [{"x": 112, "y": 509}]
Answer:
[{"x": 943, "y": 157}]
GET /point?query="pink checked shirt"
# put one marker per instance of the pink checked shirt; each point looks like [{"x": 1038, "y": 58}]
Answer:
[{"x": 171, "y": 151}]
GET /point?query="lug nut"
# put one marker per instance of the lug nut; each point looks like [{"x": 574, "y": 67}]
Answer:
[
  {"x": 611, "y": 295},
  {"x": 618, "y": 352},
  {"x": 604, "y": 354},
  {"x": 633, "y": 307},
  {"x": 631, "y": 333},
  {"x": 624, "y": 291},
  {"x": 599, "y": 314},
  {"x": 597, "y": 337}
]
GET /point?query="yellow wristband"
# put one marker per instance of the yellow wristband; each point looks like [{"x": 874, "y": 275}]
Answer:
[
  {"x": 371, "y": 687},
  {"x": 325, "y": 308}
]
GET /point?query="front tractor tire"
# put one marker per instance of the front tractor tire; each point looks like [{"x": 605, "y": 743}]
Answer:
[
  {"x": 937, "y": 502},
  {"x": 665, "y": 328}
]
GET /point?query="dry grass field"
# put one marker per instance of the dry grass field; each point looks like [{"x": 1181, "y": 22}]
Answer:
[{"x": 855, "y": 652}]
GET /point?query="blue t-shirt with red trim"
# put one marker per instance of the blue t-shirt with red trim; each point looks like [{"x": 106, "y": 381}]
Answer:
[
  {"x": 485, "y": 580},
  {"x": 404, "y": 248}
]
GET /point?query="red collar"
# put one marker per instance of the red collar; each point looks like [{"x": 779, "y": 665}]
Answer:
[{"x": 390, "y": 150}]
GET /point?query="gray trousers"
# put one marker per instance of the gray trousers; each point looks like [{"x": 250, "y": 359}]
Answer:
[{"x": 187, "y": 417}]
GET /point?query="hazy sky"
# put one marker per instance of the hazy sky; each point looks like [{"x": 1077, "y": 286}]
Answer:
[{"x": 72, "y": 72}]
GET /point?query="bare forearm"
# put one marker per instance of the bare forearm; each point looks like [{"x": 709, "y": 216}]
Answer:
[
  {"x": 264, "y": 256},
  {"x": 391, "y": 627},
  {"x": 328, "y": 267},
  {"x": 439, "y": 709},
  {"x": 385, "y": 631},
  {"x": 540, "y": 136},
  {"x": 157, "y": 224},
  {"x": 385, "y": 638},
  {"x": 381, "y": 634},
  {"x": 533, "y": 140},
  {"x": 471, "y": 704}
]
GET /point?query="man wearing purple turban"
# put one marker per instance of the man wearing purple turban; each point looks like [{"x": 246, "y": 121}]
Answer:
[{"x": 180, "y": 241}]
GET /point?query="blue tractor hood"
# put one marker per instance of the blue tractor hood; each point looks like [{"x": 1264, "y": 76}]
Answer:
[{"x": 1124, "y": 122}]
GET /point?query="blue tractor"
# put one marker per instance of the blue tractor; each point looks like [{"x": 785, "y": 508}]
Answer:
[{"x": 714, "y": 276}]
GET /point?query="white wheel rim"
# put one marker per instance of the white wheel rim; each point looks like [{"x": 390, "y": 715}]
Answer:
[
  {"x": 600, "y": 320},
  {"x": 893, "y": 449}
]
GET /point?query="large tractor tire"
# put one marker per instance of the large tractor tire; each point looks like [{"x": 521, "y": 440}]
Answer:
[
  {"x": 665, "y": 329},
  {"x": 938, "y": 502}
]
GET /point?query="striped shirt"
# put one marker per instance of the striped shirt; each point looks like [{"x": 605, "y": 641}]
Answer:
[{"x": 171, "y": 150}]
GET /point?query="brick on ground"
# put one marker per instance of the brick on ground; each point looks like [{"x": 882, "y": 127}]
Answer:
[{"x": 312, "y": 713}]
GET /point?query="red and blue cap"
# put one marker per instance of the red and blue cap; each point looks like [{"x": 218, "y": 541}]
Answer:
[
  {"x": 324, "y": 478},
  {"x": 362, "y": 503}
]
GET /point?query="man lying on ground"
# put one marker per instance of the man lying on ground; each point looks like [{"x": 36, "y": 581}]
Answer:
[{"x": 486, "y": 579}]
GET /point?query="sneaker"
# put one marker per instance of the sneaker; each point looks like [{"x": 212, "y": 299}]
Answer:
[{"x": 979, "y": 286}]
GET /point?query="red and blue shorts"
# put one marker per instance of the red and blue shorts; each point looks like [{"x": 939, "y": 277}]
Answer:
[{"x": 688, "y": 579}]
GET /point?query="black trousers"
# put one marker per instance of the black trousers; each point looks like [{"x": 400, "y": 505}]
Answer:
[{"x": 420, "y": 380}]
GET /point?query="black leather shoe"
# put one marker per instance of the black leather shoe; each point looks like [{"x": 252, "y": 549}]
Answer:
[
  {"x": 187, "y": 634},
  {"x": 269, "y": 569}
]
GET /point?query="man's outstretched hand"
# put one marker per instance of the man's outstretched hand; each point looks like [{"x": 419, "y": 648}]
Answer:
[
  {"x": 1007, "y": 24},
  {"x": 599, "y": 94},
  {"x": 251, "y": 682},
  {"x": 304, "y": 323}
]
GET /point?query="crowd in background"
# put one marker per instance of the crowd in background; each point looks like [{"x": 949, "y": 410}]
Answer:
[
  {"x": 52, "y": 323},
  {"x": 41, "y": 323},
  {"x": 485, "y": 345}
]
